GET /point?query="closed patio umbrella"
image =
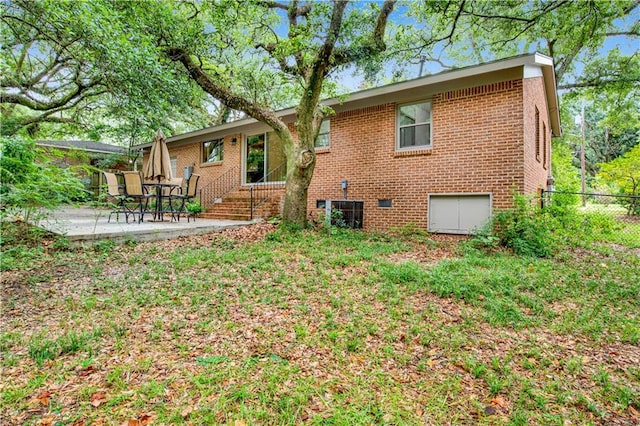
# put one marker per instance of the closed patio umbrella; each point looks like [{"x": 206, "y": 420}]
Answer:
[{"x": 159, "y": 164}]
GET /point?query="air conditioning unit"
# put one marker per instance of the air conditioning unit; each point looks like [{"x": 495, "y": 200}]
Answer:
[{"x": 346, "y": 213}]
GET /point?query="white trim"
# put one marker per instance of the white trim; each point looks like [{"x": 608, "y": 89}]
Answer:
[{"x": 531, "y": 71}]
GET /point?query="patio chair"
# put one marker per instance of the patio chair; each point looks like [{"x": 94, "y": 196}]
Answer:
[
  {"x": 183, "y": 198},
  {"x": 178, "y": 189},
  {"x": 136, "y": 195},
  {"x": 116, "y": 193}
]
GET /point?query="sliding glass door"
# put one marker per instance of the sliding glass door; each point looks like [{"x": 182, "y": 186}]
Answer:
[{"x": 264, "y": 159}]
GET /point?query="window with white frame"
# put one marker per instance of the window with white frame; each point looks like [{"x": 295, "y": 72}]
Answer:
[
  {"x": 324, "y": 139},
  {"x": 212, "y": 151},
  {"x": 414, "y": 125}
]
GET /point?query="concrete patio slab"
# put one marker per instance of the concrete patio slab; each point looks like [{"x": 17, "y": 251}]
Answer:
[{"x": 86, "y": 225}]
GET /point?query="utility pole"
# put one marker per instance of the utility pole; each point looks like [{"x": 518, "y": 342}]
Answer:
[{"x": 582, "y": 160}]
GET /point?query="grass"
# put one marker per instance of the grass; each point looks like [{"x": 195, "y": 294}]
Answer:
[{"x": 344, "y": 328}]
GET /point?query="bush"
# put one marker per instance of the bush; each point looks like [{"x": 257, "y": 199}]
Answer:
[
  {"x": 30, "y": 183},
  {"x": 195, "y": 207},
  {"x": 523, "y": 229}
]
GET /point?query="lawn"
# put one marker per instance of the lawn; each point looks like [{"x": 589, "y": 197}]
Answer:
[{"x": 264, "y": 326}]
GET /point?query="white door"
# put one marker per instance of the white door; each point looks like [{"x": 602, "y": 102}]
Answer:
[{"x": 458, "y": 213}]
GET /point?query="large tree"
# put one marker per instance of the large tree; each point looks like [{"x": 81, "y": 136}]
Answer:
[
  {"x": 71, "y": 68},
  {"x": 297, "y": 44}
]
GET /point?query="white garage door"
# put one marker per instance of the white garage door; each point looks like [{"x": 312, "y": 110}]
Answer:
[{"x": 458, "y": 213}]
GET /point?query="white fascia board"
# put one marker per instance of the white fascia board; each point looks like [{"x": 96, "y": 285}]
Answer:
[
  {"x": 551, "y": 90},
  {"x": 531, "y": 71}
]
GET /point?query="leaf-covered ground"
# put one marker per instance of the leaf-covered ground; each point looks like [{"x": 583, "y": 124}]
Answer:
[{"x": 261, "y": 326}]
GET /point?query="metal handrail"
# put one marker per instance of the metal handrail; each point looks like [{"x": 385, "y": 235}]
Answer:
[
  {"x": 266, "y": 188},
  {"x": 221, "y": 186}
]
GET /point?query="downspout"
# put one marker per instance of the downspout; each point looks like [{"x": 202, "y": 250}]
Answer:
[{"x": 551, "y": 182}]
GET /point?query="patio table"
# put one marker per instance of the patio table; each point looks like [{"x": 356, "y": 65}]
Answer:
[{"x": 159, "y": 191}]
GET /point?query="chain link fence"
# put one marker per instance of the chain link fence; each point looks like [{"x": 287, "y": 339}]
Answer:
[{"x": 613, "y": 217}]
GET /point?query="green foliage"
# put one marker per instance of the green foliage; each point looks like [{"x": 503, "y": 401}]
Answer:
[
  {"x": 570, "y": 32},
  {"x": 32, "y": 183},
  {"x": 94, "y": 70},
  {"x": 195, "y": 207},
  {"x": 567, "y": 177},
  {"x": 611, "y": 129},
  {"x": 109, "y": 161},
  {"x": 523, "y": 229},
  {"x": 16, "y": 161},
  {"x": 623, "y": 175},
  {"x": 42, "y": 349}
]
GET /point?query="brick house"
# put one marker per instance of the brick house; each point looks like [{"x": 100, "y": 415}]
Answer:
[{"x": 440, "y": 152}]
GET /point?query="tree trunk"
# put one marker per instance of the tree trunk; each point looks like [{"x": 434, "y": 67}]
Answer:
[{"x": 301, "y": 161}]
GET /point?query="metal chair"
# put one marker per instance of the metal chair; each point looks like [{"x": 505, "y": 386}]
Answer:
[
  {"x": 135, "y": 194},
  {"x": 183, "y": 198},
  {"x": 116, "y": 192}
]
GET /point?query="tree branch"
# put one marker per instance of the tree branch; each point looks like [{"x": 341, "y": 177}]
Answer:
[
  {"x": 376, "y": 44},
  {"x": 223, "y": 94},
  {"x": 291, "y": 9},
  {"x": 623, "y": 33},
  {"x": 25, "y": 100},
  {"x": 596, "y": 82}
]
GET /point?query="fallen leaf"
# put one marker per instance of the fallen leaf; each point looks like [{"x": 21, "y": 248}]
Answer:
[
  {"x": 145, "y": 419},
  {"x": 98, "y": 398},
  {"x": 499, "y": 401},
  {"x": 186, "y": 412},
  {"x": 46, "y": 421},
  {"x": 239, "y": 423},
  {"x": 86, "y": 371},
  {"x": 44, "y": 397}
]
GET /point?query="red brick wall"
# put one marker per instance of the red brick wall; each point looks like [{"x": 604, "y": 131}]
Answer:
[
  {"x": 535, "y": 166},
  {"x": 477, "y": 146},
  {"x": 481, "y": 142},
  {"x": 191, "y": 155}
]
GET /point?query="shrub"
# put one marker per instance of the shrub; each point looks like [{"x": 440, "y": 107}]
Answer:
[
  {"x": 195, "y": 207},
  {"x": 523, "y": 229},
  {"x": 30, "y": 183}
]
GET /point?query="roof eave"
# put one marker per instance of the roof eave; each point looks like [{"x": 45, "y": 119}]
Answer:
[
  {"x": 549, "y": 77},
  {"x": 545, "y": 63}
]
